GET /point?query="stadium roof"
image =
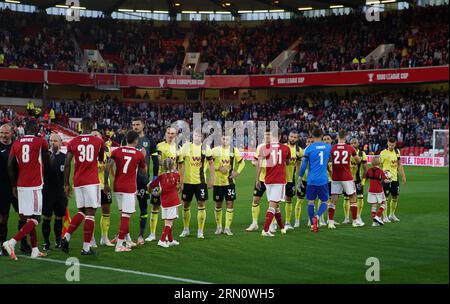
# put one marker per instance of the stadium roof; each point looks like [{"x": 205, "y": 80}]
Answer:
[{"x": 178, "y": 6}]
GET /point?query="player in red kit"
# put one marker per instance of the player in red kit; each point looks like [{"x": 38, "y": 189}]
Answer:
[
  {"x": 128, "y": 161},
  {"x": 274, "y": 157},
  {"x": 376, "y": 194},
  {"x": 168, "y": 183},
  {"x": 86, "y": 150},
  {"x": 342, "y": 178},
  {"x": 26, "y": 167}
]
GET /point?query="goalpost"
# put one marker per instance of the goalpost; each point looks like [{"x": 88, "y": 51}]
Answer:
[{"x": 440, "y": 146}]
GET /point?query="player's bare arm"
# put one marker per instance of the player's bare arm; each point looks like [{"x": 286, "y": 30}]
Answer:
[
  {"x": 212, "y": 176},
  {"x": 13, "y": 173},
  {"x": 68, "y": 161},
  {"x": 402, "y": 171}
]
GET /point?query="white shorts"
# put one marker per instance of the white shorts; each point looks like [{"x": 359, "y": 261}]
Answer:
[
  {"x": 126, "y": 202},
  {"x": 87, "y": 196},
  {"x": 337, "y": 187},
  {"x": 170, "y": 213},
  {"x": 376, "y": 198},
  {"x": 30, "y": 201},
  {"x": 275, "y": 192}
]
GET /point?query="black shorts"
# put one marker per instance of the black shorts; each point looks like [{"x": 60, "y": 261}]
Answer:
[
  {"x": 329, "y": 189},
  {"x": 290, "y": 189},
  {"x": 260, "y": 192},
  {"x": 142, "y": 193},
  {"x": 224, "y": 192},
  {"x": 7, "y": 199},
  {"x": 105, "y": 199},
  {"x": 392, "y": 188},
  {"x": 155, "y": 200},
  {"x": 53, "y": 203},
  {"x": 302, "y": 192},
  {"x": 200, "y": 191},
  {"x": 359, "y": 188}
]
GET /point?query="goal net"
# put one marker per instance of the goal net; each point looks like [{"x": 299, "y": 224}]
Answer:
[{"x": 440, "y": 147}]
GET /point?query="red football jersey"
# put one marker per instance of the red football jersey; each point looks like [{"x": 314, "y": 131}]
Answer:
[
  {"x": 168, "y": 183},
  {"x": 275, "y": 156},
  {"x": 128, "y": 160},
  {"x": 375, "y": 175},
  {"x": 28, "y": 153},
  {"x": 86, "y": 151},
  {"x": 340, "y": 156}
]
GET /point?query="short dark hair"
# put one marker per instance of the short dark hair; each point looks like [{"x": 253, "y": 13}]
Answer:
[
  {"x": 316, "y": 133},
  {"x": 31, "y": 127},
  {"x": 327, "y": 134},
  {"x": 295, "y": 132},
  {"x": 342, "y": 134},
  {"x": 138, "y": 119},
  {"x": 132, "y": 136},
  {"x": 87, "y": 123},
  {"x": 392, "y": 140}
]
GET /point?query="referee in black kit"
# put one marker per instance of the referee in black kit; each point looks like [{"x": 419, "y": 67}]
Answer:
[
  {"x": 54, "y": 197},
  {"x": 7, "y": 198}
]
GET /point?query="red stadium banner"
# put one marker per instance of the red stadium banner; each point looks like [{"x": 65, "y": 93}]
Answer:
[{"x": 344, "y": 78}]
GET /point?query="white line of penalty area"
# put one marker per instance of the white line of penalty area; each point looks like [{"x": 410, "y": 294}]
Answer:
[{"x": 139, "y": 273}]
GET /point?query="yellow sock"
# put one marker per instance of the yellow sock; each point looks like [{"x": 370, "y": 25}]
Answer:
[
  {"x": 385, "y": 211},
  {"x": 219, "y": 217},
  {"x": 153, "y": 221},
  {"x": 288, "y": 212},
  {"x": 346, "y": 207},
  {"x": 186, "y": 217},
  {"x": 394, "y": 203},
  {"x": 255, "y": 213},
  {"x": 104, "y": 224},
  {"x": 298, "y": 209},
  {"x": 201, "y": 218},
  {"x": 228, "y": 218},
  {"x": 360, "y": 202}
]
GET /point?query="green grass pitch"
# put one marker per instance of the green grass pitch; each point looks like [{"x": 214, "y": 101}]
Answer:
[{"x": 412, "y": 251}]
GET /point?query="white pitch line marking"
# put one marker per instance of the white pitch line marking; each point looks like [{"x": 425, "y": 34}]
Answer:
[{"x": 145, "y": 274}]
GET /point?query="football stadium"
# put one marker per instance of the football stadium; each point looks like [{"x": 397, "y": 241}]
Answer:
[{"x": 224, "y": 142}]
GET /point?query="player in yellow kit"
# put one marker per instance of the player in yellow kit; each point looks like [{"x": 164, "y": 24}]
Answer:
[
  {"x": 359, "y": 173},
  {"x": 301, "y": 189},
  {"x": 105, "y": 199},
  {"x": 292, "y": 170},
  {"x": 194, "y": 158},
  {"x": 226, "y": 157},
  {"x": 258, "y": 193},
  {"x": 165, "y": 149},
  {"x": 391, "y": 161}
]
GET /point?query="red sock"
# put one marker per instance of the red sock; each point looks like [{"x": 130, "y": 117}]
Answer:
[
  {"x": 26, "y": 229},
  {"x": 76, "y": 221},
  {"x": 354, "y": 210},
  {"x": 269, "y": 217},
  {"x": 164, "y": 234},
  {"x": 89, "y": 225},
  {"x": 331, "y": 213},
  {"x": 170, "y": 235},
  {"x": 124, "y": 226},
  {"x": 279, "y": 220},
  {"x": 373, "y": 214},
  {"x": 380, "y": 210},
  {"x": 33, "y": 238}
]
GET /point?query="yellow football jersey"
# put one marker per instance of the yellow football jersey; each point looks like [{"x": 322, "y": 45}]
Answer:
[
  {"x": 330, "y": 171},
  {"x": 224, "y": 157},
  {"x": 262, "y": 176},
  {"x": 291, "y": 168},
  {"x": 390, "y": 161},
  {"x": 356, "y": 168},
  {"x": 195, "y": 160},
  {"x": 102, "y": 165},
  {"x": 166, "y": 150}
]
